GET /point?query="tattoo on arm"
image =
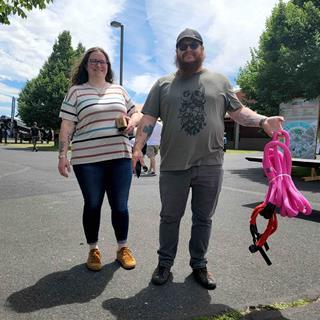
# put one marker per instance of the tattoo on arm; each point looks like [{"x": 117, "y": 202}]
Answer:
[
  {"x": 249, "y": 118},
  {"x": 148, "y": 130},
  {"x": 70, "y": 137},
  {"x": 64, "y": 145}
]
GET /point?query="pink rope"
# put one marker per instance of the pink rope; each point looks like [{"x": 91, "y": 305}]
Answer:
[{"x": 277, "y": 167}]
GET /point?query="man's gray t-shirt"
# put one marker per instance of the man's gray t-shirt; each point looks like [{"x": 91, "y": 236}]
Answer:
[{"x": 192, "y": 110}]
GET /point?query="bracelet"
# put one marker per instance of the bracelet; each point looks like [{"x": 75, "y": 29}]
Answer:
[
  {"x": 261, "y": 122},
  {"x": 61, "y": 156}
]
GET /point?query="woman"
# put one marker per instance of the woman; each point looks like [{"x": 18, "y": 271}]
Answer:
[{"x": 100, "y": 152}]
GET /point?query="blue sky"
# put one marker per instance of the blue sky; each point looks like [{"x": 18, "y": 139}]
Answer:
[{"x": 229, "y": 29}]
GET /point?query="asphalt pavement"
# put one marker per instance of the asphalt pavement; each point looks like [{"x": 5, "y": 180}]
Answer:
[{"x": 43, "y": 250}]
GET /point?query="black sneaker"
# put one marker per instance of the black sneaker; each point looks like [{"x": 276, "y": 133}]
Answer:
[
  {"x": 160, "y": 275},
  {"x": 205, "y": 278}
]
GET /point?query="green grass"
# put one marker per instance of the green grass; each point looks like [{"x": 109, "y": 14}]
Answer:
[
  {"x": 237, "y": 315},
  {"x": 283, "y": 305},
  {"x": 233, "y": 315},
  {"x": 232, "y": 151}
]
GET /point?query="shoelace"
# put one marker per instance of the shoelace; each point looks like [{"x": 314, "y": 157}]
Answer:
[
  {"x": 126, "y": 252},
  {"x": 94, "y": 256},
  {"x": 281, "y": 193}
]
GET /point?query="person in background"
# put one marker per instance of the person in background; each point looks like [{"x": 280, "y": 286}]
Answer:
[
  {"x": 42, "y": 134},
  {"x": 35, "y": 136},
  {"x": 101, "y": 154},
  {"x": 192, "y": 104},
  {"x": 2, "y": 134},
  {"x": 153, "y": 147},
  {"x": 49, "y": 135},
  {"x": 15, "y": 131},
  {"x": 225, "y": 141}
]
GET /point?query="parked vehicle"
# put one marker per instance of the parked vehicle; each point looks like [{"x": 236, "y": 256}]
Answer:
[{"x": 18, "y": 130}]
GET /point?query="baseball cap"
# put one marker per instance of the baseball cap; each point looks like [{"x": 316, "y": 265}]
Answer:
[{"x": 189, "y": 33}]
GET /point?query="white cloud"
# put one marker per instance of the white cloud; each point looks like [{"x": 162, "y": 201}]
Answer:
[
  {"x": 6, "y": 94},
  {"x": 229, "y": 28},
  {"x": 5, "y": 110},
  {"x": 235, "y": 29},
  {"x": 27, "y": 43},
  {"x": 5, "y": 99},
  {"x": 141, "y": 84},
  {"x": 7, "y": 90}
]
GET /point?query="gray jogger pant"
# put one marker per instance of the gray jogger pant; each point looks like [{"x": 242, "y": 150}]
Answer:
[{"x": 205, "y": 183}]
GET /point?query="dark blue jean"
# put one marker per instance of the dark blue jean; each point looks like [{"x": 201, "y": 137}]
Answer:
[{"x": 112, "y": 177}]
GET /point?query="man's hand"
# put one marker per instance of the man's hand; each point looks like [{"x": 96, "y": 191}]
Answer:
[
  {"x": 144, "y": 131},
  {"x": 249, "y": 118},
  {"x": 272, "y": 124},
  {"x": 137, "y": 155}
]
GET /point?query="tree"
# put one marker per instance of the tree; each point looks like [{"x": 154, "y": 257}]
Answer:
[
  {"x": 12, "y": 7},
  {"x": 287, "y": 63},
  {"x": 80, "y": 50},
  {"x": 40, "y": 100},
  {"x": 301, "y": 3}
]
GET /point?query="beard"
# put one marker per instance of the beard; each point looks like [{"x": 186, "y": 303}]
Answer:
[{"x": 189, "y": 68}]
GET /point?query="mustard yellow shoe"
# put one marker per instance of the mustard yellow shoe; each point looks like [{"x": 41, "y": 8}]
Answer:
[
  {"x": 94, "y": 260},
  {"x": 126, "y": 258}
]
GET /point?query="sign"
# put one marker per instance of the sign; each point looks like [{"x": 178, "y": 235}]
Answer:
[{"x": 301, "y": 122}]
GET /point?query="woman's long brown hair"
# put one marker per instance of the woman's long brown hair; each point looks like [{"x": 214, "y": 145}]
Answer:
[{"x": 80, "y": 73}]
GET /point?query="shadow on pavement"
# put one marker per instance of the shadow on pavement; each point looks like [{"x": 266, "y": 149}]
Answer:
[
  {"x": 171, "y": 301},
  {"x": 314, "y": 216},
  {"x": 256, "y": 175},
  {"x": 174, "y": 301},
  {"x": 77, "y": 285},
  {"x": 265, "y": 315}
]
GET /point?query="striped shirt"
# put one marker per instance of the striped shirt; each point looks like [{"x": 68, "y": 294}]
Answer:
[{"x": 96, "y": 137}]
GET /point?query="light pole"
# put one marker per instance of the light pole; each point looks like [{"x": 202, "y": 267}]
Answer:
[{"x": 117, "y": 24}]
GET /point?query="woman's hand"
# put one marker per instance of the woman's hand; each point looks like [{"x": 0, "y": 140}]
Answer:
[
  {"x": 64, "y": 167},
  {"x": 131, "y": 124}
]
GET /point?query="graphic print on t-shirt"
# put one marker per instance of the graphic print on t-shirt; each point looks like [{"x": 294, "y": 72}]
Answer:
[{"x": 191, "y": 112}]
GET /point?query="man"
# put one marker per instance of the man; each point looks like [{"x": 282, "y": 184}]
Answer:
[
  {"x": 1, "y": 131},
  {"x": 153, "y": 147},
  {"x": 225, "y": 141},
  {"x": 192, "y": 104},
  {"x": 4, "y": 126},
  {"x": 35, "y": 136}
]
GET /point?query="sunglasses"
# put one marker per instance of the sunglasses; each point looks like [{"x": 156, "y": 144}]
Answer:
[{"x": 182, "y": 46}]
